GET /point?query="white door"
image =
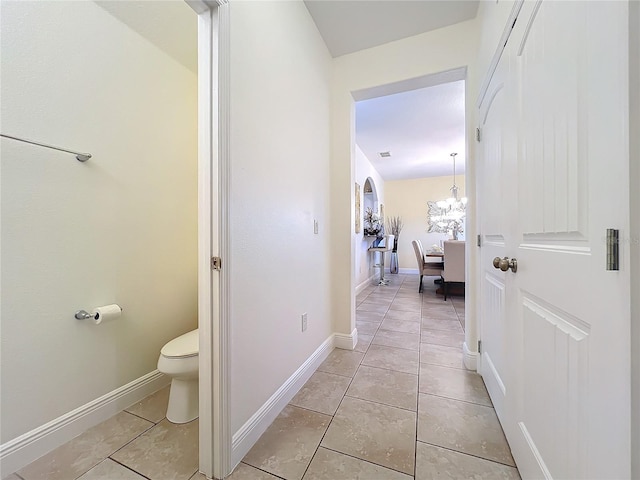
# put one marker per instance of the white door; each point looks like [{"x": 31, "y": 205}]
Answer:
[
  {"x": 557, "y": 333},
  {"x": 497, "y": 152}
]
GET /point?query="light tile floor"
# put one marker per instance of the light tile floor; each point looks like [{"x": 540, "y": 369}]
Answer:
[
  {"x": 399, "y": 407},
  {"x": 136, "y": 444}
]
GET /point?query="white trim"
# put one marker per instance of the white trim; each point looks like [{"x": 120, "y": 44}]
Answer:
[
  {"x": 506, "y": 33},
  {"x": 634, "y": 215},
  {"x": 205, "y": 207},
  {"x": 26, "y": 448},
  {"x": 469, "y": 358},
  {"x": 221, "y": 341},
  {"x": 213, "y": 178},
  {"x": 364, "y": 284},
  {"x": 346, "y": 342},
  {"x": 198, "y": 6},
  {"x": 408, "y": 271},
  {"x": 424, "y": 81},
  {"x": 251, "y": 431}
]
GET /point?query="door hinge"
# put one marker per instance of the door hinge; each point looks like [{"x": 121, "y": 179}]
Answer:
[
  {"x": 613, "y": 249},
  {"x": 478, "y": 134},
  {"x": 216, "y": 263},
  {"x": 479, "y": 346},
  {"x": 479, "y": 240}
]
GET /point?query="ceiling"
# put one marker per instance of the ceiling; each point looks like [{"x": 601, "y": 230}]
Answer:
[
  {"x": 172, "y": 26},
  {"x": 420, "y": 128},
  {"x": 420, "y": 124},
  {"x": 351, "y": 25}
]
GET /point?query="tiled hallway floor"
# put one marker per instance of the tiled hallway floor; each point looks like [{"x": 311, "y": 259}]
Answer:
[{"x": 399, "y": 407}]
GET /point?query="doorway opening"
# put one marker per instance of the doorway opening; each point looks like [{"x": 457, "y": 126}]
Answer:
[{"x": 405, "y": 134}]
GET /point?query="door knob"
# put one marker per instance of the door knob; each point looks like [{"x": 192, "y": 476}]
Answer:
[{"x": 505, "y": 264}]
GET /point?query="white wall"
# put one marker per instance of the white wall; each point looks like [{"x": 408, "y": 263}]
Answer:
[
  {"x": 408, "y": 198},
  {"x": 433, "y": 52},
  {"x": 280, "y": 87},
  {"x": 365, "y": 170},
  {"x": 120, "y": 228}
]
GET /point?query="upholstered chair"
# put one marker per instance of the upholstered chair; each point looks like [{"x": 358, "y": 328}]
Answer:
[
  {"x": 425, "y": 268},
  {"x": 453, "y": 264}
]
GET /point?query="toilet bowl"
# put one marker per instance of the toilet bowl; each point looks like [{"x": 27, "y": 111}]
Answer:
[{"x": 179, "y": 360}]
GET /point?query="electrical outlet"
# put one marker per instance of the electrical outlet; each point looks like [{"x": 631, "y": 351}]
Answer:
[
  {"x": 304, "y": 322},
  {"x": 315, "y": 227}
]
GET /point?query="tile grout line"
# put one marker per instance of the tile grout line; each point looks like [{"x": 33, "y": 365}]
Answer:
[
  {"x": 467, "y": 454},
  {"x": 132, "y": 440},
  {"x": 342, "y": 400},
  {"x": 141, "y": 417},
  {"x": 332, "y": 417},
  {"x": 456, "y": 399},
  {"x": 117, "y": 450},
  {"x": 383, "y": 404},
  {"x": 134, "y": 471},
  {"x": 366, "y": 461},
  {"x": 262, "y": 470}
]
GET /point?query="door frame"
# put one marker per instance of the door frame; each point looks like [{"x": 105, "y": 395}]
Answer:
[
  {"x": 634, "y": 237},
  {"x": 213, "y": 237}
]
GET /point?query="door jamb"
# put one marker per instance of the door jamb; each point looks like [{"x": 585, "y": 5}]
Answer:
[{"x": 213, "y": 293}]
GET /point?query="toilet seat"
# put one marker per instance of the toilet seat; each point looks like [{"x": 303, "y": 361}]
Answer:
[{"x": 183, "y": 346}]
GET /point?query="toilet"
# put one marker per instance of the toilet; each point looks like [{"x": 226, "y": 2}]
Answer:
[{"x": 179, "y": 360}]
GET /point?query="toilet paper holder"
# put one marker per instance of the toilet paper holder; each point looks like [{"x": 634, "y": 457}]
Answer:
[
  {"x": 84, "y": 315},
  {"x": 96, "y": 315}
]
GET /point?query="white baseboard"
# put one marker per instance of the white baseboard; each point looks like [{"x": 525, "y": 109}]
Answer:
[
  {"x": 365, "y": 284},
  {"x": 251, "y": 431},
  {"x": 408, "y": 271},
  {"x": 26, "y": 448},
  {"x": 346, "y": 342},
  {"x": 469, "y": 358}
]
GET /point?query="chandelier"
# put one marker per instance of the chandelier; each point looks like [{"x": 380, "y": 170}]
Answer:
[{"x": 447, "y": 216}]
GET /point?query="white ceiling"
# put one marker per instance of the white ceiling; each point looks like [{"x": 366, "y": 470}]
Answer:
[
  {"x": 351, "y": 25},
  {"x": 172, "y": 26},
  {"x": 421, "y": 128}
]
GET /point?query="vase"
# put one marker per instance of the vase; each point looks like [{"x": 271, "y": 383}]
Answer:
[{"x": 393, "y": 264}]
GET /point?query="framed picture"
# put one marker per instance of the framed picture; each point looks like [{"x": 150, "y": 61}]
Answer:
[{"x": 358, "y": 215}]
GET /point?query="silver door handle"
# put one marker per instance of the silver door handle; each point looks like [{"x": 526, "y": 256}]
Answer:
[{"x": 505, "y": 264}]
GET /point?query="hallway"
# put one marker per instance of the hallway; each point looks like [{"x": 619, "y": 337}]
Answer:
[{"x": 400, "y": 406}]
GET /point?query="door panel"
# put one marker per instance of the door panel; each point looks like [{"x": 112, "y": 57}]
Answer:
[
  {"x": 552, "y": 170},
  {"x": 556, "y": 331},
  {"x": 555, "y": 365},
  {"x": 493, "y": 330}
]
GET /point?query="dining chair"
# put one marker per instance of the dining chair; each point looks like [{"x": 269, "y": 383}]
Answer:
[
  {"x": 425, "y": 268},
  {"x": 453, "y": 264}
]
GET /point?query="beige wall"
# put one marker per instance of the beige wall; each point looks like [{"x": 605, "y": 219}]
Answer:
[
  {"x": 408, "y": 198},
  {"x": 121, "y": 228}
]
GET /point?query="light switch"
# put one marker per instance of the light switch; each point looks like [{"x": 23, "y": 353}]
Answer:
[{"x": 315, "y": 227}]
